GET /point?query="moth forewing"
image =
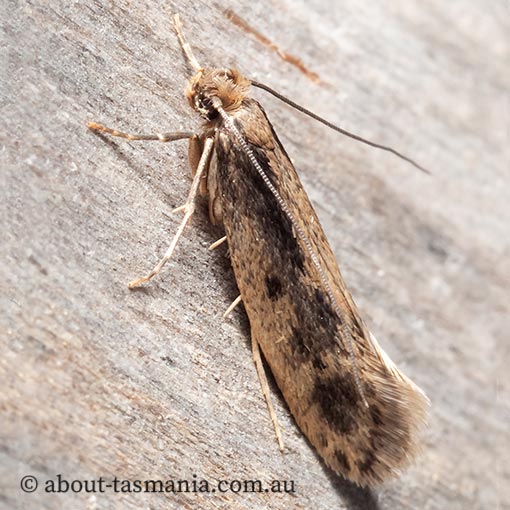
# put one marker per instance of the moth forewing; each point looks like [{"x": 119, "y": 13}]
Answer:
[{"x": 368, "y": 433}]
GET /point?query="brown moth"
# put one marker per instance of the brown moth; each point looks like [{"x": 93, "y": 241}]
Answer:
[{"x": 353, "y": 404}]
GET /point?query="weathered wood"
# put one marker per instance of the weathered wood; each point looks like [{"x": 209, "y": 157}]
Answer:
[{"x": 153, "y": 384}]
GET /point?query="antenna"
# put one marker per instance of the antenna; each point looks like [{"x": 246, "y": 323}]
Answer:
[
  {"x": 336, "y": 128},
  {"x": 185, "y": 45}
]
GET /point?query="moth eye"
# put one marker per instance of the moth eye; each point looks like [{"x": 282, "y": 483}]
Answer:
[
  {"x": 205, "y": 107},
  {"x": 204, "y": 103}
]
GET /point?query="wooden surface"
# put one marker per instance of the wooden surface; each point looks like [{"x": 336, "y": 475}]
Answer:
[{"x": 97, "y": 381}]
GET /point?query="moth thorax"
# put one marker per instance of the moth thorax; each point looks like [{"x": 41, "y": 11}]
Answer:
[{"x": 229, "y": 85}]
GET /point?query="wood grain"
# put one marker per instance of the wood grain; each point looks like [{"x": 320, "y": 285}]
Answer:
[{"x": 153, "y": 384}]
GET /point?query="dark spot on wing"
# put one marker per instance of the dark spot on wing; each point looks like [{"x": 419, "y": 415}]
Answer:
[
  {"x": 375, "y": 412},
  {"x": 328, "y": 322},
  {"x": 274, "y": 287},
  {"x": 318, "y": 362},
  {"x": 316, "y": 333},
  {"x": 330, "y": 319},
  {"x": 306, "y": 347},
  {"x": 343, "y": 462},
  {"x": 324, "y": 308},
  {"x": 367, "y": 463},
  {"x": 337, "y": 398},
  {"x": 299, "y": 344}
]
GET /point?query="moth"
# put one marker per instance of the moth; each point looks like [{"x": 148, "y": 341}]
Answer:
[{"x": 359, "y": 411}]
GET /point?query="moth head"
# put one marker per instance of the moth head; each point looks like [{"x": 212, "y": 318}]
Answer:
[{"x": 228, "y": 85}]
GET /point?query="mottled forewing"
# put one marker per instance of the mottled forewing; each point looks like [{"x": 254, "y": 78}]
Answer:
[{"x": 291, "y": 315}]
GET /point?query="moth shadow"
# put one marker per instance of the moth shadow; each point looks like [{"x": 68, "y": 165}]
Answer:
[
  {"x": 115, "y": 146},
  {"x": 353, "y": 496},
  {"x": 222, "y": 265}
]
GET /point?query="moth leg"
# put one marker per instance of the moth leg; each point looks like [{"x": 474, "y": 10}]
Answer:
[
  {"x": 189, "y": 208},
  {"x": 234, "y": 303},
  {"x": 265, "y": 390},
  {"x": 179, "y": 209},
  {"x": 160, "y": 137},
  {"x": 217, "y": 243}
]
